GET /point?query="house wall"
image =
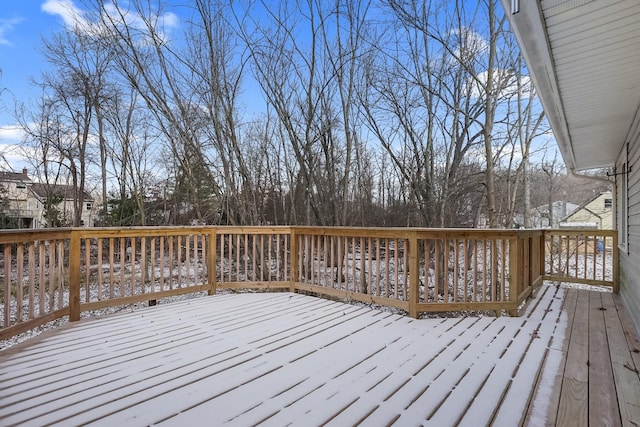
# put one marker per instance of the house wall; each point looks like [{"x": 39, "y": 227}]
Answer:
[
  {"x": 595, "y": 212},
  {"x": 88, "y": 216},
  {"x": 18, "y": 194},
  {"x": 630, "y": 253}
]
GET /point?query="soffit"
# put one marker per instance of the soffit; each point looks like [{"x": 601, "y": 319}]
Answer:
[{"x": 584, "y": 57}]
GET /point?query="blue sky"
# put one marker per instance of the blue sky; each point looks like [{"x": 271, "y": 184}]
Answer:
[
  {"x": 22, "y": 23},
  {"x": 22, "y": 26}
]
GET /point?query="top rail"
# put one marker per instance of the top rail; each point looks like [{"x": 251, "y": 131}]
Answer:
[{"x": 49, "y": 274}]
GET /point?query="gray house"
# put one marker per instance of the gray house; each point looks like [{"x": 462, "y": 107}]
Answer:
[
  {"x": 584, "y": 58},
  {"x": 26, "y": 200},
  {"x": 559, "y": 210}
]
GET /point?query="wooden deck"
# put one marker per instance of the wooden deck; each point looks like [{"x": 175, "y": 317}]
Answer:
[{"x": 289, "y": 359}]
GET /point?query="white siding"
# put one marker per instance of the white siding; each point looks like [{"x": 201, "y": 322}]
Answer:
[{"x": 630, "y": 256}]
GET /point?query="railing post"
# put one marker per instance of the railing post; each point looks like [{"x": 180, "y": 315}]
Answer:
[
  {"x": 212, "y": 261},
  {"x": 293, "y": 259},
  {"x": 516, "y": 251},
  {"x": 526, "y": 259},
  {"x": 615, "y": 251},
  {"x": 414, "y": 276},
  {"x": 543, "y": 253},
  {"x": 74, "y": 276}
]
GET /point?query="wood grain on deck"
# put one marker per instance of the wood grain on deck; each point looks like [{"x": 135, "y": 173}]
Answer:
[{"x": 597, "y": 382}]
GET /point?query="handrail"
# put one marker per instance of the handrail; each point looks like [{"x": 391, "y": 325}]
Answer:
[{"x": 48, "y": 274}]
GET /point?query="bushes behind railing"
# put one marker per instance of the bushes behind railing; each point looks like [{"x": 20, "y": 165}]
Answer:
[{"x": 51, "y": 274}]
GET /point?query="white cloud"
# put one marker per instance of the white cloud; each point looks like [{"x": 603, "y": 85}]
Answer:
[
  {"x": 170, "y": 20},
  {"x": 6, "y": 25},
  {"x": 12, "y": 133},
  {"x": 76, "y": 18},
  {"x": 12, "y": 152},
  {"x": 67, "y": 10},
  {"x": 504, "y": 78},
  {"x": 119, "y": 16},
  {"x": 11, "y": 157},
  {"x": 467, "y": 44}
]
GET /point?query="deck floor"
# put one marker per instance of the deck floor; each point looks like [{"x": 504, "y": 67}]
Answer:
[{"x": 290, "y": 359}]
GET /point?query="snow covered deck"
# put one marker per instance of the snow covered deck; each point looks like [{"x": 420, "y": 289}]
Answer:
[{"x": 283, "y": 358}]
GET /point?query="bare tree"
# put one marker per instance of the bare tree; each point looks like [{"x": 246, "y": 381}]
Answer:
[
  {"x": 525, "y": 123},
  {"x": 310, "y": 85},
  {"x": 424, "y": 108},
  {"x": 394, "y": 112}
]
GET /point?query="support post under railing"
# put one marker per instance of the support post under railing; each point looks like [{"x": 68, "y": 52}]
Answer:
[
  {"x": 293, "y": 259},
  {"x": 516, "y": 251},
  {"x": 74, "y": 276},
  {"x": 527, "y": 276},
  {"x": 615, "y": 251},
  {"x": 414, "y": 276},
  {"x": 212, "y": 261},
  {"x": 542, "y": 254}
]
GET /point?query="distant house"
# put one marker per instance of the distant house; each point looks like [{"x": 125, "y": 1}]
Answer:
[
  {"x": 66, "y": 193},
  {"x": 559, "y": 210},
  {"x": 596, "y": 213},
  {"x": 21, "y": 205},
  {"x": 26, "y": 201}
]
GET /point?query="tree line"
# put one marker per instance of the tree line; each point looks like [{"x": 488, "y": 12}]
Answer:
[{"x": 340, "y": 112}]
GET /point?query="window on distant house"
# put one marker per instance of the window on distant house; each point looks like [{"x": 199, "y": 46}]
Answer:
[
  {"x": 608, "y": 203},
  {"x": 21, "y": 185},
  {"x": 88, "y": 206}
]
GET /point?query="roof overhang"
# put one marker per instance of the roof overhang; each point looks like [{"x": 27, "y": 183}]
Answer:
[{"x": 584, "y": 59}]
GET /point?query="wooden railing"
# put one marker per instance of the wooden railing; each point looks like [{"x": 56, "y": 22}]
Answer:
[
  {"x": 252, "y": 257},
  {"x": 115, "y": 266},
  {"x": 419, "y": 270},
  {"x": 34, "y": 285},
  {"x": 46, "y": 275},
  {"x": 582, "y": 256}
]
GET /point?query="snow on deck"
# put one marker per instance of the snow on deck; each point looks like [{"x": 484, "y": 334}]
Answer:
[{"x": 285, "y": 359}]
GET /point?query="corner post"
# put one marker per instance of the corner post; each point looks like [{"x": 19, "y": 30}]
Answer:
[
  {"x": 516, "y": 252},
  {"x": 74, "y": 276}
]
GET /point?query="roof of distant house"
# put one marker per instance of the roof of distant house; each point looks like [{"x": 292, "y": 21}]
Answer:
[
  {"x": 66, "y": 191},
  {"x": 557, "y": 205},
  {"x": 587, "y": 203},
  {"x": 15, "y": 176}
]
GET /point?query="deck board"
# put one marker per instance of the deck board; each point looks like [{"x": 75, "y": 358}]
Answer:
[
  {"x": 625, "y": 372},
  {"x": 603, "y": 402},
  {"x": 545, "y": 406},
  {"x": 282, "y": 358},
  {"x": 591, "y": 384},
  {"x": 574, "y": 395}
]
